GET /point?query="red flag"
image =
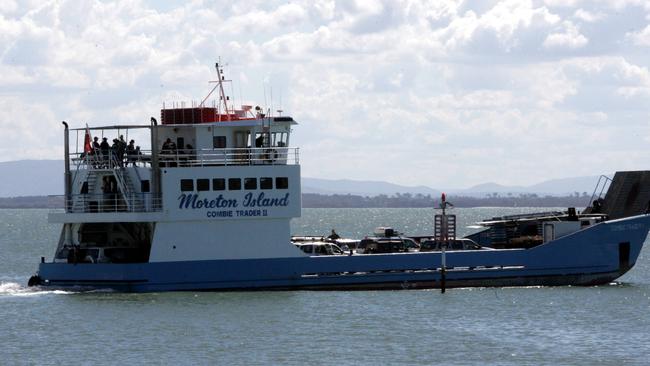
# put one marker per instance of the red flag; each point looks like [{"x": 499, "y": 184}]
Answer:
[{"x": 88, "y": 147}]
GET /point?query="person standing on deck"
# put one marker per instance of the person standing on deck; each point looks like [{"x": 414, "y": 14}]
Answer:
[
  {"x": 114, "y": 150},
  {"x": 121, "y": 149},
  {"x": 130, "y": 153},
  {"x": 96, "y": 152},
  {"x": 334, "y": 235},
  {"x": 105, "y": 149}
]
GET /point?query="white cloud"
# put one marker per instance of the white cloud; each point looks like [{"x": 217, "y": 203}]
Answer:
[
  {"x": 8, "y": 6},
  {"x": 570, "y": 38},
  {"x": 32, "y": 127},
  {"x": 640, "y": 38},
  {"x": 588, "y": 16},
  {"x": 562, "y": 3},
  {"x": 422, "y": 86}
]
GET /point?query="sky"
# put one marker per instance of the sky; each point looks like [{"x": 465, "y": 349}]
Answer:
[{"x": 441, "y": 93}]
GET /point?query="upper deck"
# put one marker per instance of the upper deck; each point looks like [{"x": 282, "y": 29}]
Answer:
[{"x": 125, "y": 178}]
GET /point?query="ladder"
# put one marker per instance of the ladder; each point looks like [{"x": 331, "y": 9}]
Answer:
[{"x": 125, "y": 185}]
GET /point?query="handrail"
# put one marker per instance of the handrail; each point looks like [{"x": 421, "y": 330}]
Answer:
[
  {"x": 606, "y": 180},
  {"x": 112, "y": 202},
  {"x": 194, "y": 157},
  {"x": 121, "y": 183}
]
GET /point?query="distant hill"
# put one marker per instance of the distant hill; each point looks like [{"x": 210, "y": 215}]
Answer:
[
  {"x": 361, "y": 187},
  {"x": 567, "y": 185},
  {"x": 45, "y": 177},
  {"x": 552, "y": 187}
]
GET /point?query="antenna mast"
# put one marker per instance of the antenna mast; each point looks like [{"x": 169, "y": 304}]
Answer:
[
  {"x": 222, "y": 94},
  {"x": 220, "y": 81}
]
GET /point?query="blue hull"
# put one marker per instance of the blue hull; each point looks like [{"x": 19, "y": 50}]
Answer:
[{"x": 593, "y": 256}]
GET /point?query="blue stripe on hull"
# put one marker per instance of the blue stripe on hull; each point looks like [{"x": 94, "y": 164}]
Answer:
[{"x": 586, "y": 257}]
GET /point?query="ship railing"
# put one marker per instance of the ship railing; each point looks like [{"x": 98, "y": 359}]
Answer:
[
  {"x": 601, "y": 187},
  {"x": 112, "y": 202},
  {"x": 231, "y": 156},
  {"x": 99, "y": 161},
  {"x": 191, "y": 158}
]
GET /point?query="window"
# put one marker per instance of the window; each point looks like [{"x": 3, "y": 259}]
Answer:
[
  {"x": 234, "y": 184},
  {"x": 218, "y": 184},
  {"x": 266, "y": 183},
  {"x": 219, "y": 142},
  {"x": 279, "y": 139},
  {"x": 250, "y": 183},
  {"x": 187, "y": 185},
  {"x": 281, "y": 183},
  {"x": 145, "y": 186},
  {"x": 202, "y": 184}
]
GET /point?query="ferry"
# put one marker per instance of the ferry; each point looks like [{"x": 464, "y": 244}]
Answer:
[{"x": 208, "y": 207}]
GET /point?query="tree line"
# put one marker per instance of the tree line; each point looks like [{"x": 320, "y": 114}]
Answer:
[
  {"x": 397, "y": 200},
  {"x": 405, "y": 200}
]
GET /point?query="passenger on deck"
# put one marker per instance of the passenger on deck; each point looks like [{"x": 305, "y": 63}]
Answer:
[
  {"x": 334, "y": 235},
  {"x": 96, "y": 152},
  {"x": 114, "y": 150},
  {"x": 105, "y": 149},
  {"x": 167, "y": 146},
  {"x": 121, "y": 150},
  {"x": 96, "y": 145},
  {"x": 138, "y": 155},
  {"x": 130, "y": 153},
  {"x": 169, "y": 151}
]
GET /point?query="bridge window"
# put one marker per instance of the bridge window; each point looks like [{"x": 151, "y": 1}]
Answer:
[
  {"x": 250, "y": 183},
  {"x": 219, "y": 142},
  {"x": 202, "y": 184},
  {"x": 266, "y": 183},
  {"x": 234, "y": 184},
  {"x": 218, "y": 184},
  {"x": 279, "y": 139},
  {"x": 281, "y": 183},
  {"x": 187, "y": 185}
]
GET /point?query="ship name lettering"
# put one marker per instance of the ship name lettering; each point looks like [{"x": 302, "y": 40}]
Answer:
[
  {"x": 219, "y": 214},
  {"x": 250, "y": 213},
  {"x": 262, "y": 201},
  {"x": 193, "y": 201}
]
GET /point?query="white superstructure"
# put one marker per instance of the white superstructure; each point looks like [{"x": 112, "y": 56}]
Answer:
[{"x": 215, "y": 184}]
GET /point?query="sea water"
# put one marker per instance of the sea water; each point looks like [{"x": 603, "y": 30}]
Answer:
[{"x": 603, "y": 325}]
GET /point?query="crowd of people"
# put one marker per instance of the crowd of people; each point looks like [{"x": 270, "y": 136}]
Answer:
[
  {"x": 120, "y": 152},
  {"x": 103, "y": 154}
]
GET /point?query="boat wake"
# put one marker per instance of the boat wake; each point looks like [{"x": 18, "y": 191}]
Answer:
[{"x": 16, "y": 289}]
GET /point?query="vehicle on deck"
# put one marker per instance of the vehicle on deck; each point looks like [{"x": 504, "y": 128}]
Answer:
[
  {"x": 320, "y": 248},
  {"x": 431, "y": 245},
  {"x": 386, "y": 240}
]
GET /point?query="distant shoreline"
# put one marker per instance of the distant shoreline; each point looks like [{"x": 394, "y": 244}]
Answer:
[{"x": 313, "y": 200}]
